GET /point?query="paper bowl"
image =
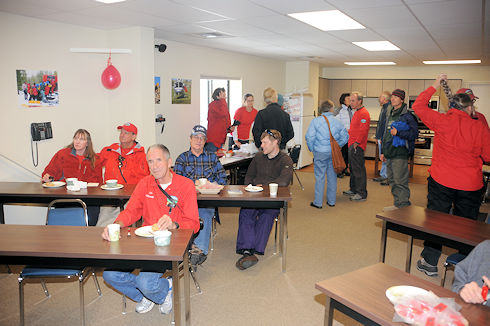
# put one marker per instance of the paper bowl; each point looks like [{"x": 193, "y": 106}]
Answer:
[{"x": 162, "y": 238}]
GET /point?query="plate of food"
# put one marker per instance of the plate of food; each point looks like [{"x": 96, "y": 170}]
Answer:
[
  {"x": 396, "y": 294},
  {"x": 116, "y": 187},
  {"x": 54, "y": 184},
  {"x": 251, "y": 188},
  {"x": 209, "y": 188},
  {"x": 146, "y": 231}
]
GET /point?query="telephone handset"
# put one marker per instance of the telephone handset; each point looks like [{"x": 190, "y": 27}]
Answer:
[{"x": 41, "y": 131}]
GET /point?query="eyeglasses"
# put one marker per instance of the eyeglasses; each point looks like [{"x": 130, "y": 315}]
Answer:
[
  {"x": 201, "y": 138},
  {"x": 270, "y": 133}
]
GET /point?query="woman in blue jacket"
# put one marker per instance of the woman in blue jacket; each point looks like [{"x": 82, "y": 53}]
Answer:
[{"x": 318, "y": 141}]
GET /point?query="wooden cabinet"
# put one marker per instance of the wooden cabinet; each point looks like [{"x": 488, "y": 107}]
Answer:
[
  {"x": 374, "y": 87},
  {"x": 359, "y": 85},
  {"x": 389, "y": 85},
  {"x": 415, "y": 87},
  {"x": 429, "y": 82},
  {"x": 337, "y": 87}
]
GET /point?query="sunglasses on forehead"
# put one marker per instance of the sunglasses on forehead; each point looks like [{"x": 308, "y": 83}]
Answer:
[{"x": 270, "y": 133}]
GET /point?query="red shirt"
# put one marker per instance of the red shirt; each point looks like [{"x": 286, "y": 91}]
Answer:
[
  {"x": 460, "y": 144},
  {"x": 133, "y": 163},
  {"x": 359, "y": 128},
  {"x": 148, "y": 201},
  {"x": 218, "y": 122},
  {"x": 246, "y": 119},
  {"x": 66, "y": 164}
]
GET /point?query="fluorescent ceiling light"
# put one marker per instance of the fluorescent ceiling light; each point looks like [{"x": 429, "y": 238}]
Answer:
[
  {"x": 377, "y": 46},
  {"x": 110, "y": 1},
  {"x": 374, "y": 63},
  {"x": 451, "y": 62},
  {"x": 330, "y": 20}
]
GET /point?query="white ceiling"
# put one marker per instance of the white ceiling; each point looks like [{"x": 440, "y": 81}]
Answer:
[{"x": 422, "y": 29}]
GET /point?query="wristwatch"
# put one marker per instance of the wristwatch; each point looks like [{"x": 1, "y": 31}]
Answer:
[{"x": 177, "y": 225}]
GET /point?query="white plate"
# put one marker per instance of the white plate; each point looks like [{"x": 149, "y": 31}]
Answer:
[
  {"x": 250, "y": 188},
  {"x": 207, "y": 191},
  {"x": 144, "y": 231},
  {"x": 54, "y": 184},
  {"x": 397, "y": 293},
  {"x": 106, "y": 187}
]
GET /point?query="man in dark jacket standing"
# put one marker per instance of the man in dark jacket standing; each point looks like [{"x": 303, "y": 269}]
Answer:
[
  {"x": 272, "y": 117},
  {"x": 397, "y": 145}
]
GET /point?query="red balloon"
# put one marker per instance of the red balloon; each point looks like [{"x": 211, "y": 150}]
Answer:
[{"x": 111, "y": 78}]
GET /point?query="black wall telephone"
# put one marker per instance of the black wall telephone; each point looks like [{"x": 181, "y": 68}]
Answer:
[{"x": 41, "y": 131}]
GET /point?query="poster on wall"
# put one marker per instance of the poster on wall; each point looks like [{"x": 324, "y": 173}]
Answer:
[
  {"x": 37, "y": 88},
  {"x": 181, "y": 91},
  {"x": 157, "y": 90},
  {"x": 292, "y": 105}
]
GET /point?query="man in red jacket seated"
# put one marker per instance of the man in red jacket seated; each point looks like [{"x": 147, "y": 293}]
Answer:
[
  {"x": 149, "y": 201},
  {"x": 358, "y": 134},
  {"x": 124, "y": 161},
  {"x": 461, "y": 145}
]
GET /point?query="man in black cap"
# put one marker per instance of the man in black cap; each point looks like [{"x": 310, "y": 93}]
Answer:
[{"x": 397, "y": 145}]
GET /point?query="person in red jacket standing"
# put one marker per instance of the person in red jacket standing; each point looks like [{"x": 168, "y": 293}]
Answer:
[
  {"x": 461, "y": 145},
  {"x": 477, "y": 115},
  {"x": 218, "y": 121},
  {"x": 124, "y": 161},
  {"x": 246, "y": 115},
  {"x": 77, "y": 160},
  {"x": 358, "y": 134}
]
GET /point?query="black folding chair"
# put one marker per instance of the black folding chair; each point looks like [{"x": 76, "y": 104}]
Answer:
[{"x": 294, "y": 155}]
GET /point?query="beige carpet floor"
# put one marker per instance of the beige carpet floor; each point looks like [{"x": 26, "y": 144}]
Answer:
[{"x": 322, "y": 244}]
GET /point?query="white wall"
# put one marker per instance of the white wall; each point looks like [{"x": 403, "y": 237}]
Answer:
[
  {"x": 84, "y": 102},
  {"x": 193, "y": 62}
]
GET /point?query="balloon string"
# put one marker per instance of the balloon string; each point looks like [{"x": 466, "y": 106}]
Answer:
[{"x": 109, "y": 60}]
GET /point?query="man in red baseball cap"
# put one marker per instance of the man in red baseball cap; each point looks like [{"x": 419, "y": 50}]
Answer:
[
  {"x": 124, "y": 161},
  {"x": 478, "y": 116}
]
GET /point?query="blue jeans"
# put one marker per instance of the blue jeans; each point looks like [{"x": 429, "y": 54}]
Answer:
[
  {"x": 148, "y": 284},
  {"x": 323, "y": 165},
  {"x": 202, "y": 239}
]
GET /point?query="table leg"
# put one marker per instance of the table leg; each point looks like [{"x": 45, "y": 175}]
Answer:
[
  {"x": 409, "y": 254},
  {"x": 382, "y": 250},
  {"x": 176, "y": 289},
  {"x": 187, "y": 293},
  {"x": 376, "y": 160},
  {"x": 283, "y": 238},
  {"x": 328, "y": 313},
  {"x": 2, "y": 214}
]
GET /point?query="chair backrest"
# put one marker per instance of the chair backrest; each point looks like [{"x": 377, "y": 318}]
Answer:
[
  {"x": 76, "y": 216},
  {"x": 294, "y": 153}
]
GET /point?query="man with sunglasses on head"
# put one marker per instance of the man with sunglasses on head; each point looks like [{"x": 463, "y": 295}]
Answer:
[
  {"x": 124, "y": 161},
  {"x": 198, "y": 163},
  {"x": 165, "y": 201},
  {"x": 254, "y": 225}
]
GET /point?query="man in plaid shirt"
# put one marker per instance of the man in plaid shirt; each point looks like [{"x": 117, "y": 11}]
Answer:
[{"x": 195, "y": 164}]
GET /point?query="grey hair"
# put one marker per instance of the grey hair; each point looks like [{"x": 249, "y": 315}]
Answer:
[
  {"x": 358, "y": 94},
  {"x": 326, "y": 106},
  {"x": 161, "y": 147}
]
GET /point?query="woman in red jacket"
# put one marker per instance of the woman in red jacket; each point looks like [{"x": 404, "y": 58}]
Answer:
[
  {"x": 218, "y": 120},
  {"x": 246, "y": 115},
  {"x": 77, "y": 160}
]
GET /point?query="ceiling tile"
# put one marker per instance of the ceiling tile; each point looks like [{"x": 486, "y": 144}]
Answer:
[
  {"x": 235, "y": 9},
  {"x": 289, "y": 7},
  {"x": 443, "y": 13}
]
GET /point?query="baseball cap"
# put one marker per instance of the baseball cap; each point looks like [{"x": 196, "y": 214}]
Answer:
[
  {"x": 467, "y": 91},
  {"x": 198, "y": 129},
  {"x": 400, "y": 93},
  {"x": 128, "y": 126}
]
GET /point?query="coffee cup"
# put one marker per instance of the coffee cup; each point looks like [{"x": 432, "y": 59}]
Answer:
[
  {"x": 273, "y": 189},
  {"x": 111, "y": 183},
  {"x": 114, "y": 232},
  {"x": 75, "y": 187},
  {"x": 162, "y": 238},
  {"x": 71, "y": 181}
]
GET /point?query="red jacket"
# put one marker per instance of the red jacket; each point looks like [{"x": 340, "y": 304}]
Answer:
[
  {"x": 65, "y": 164},
  {"x": 480, "y": 117},
  {"x": 460, "y": 144},
  {"x": 359, "y": 128},
  {"x": 133, "y": 164},
  {"x": 218, "y": 122},
  {"x": 246, "y": 119},
  {"x": 148, "y": 201}
]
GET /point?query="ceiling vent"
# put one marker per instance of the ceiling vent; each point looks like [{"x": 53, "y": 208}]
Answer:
[{"x": 211, "y": 35}]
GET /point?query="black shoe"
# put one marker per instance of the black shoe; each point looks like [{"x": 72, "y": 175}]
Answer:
[
  {"x": 379, "y": 179},
  {"x": 340, "y": 175},
  {"x": 313, "y": 205},
  {"x": 198, "y": 259},
  {"x": 331, "y": 205},
  {"x": 349, "y": 193},
  {"x": 246, "y": 261},
  {"x": 385, "y": 183},
  {"x": 425, "y": 267}
]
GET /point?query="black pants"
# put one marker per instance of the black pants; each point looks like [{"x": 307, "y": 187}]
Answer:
[
  {"x": 93, "y": 215},
  {"x": 442, "y": 199},
  {"x": 357, "y": 169}
]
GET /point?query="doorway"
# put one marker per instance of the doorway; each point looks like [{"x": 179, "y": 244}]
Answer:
[{"x": 233, "y": 88}]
